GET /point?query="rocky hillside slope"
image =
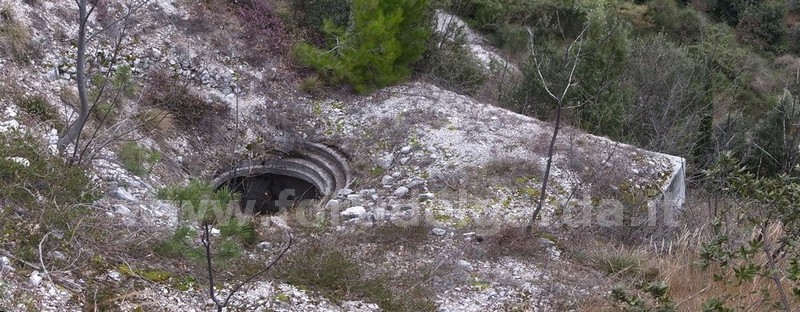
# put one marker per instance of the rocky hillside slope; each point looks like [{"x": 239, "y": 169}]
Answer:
[{"x": 438, "y": 183}]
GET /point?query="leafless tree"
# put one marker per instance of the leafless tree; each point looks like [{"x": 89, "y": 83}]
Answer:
[
  {"x": 571, "y": 56},
  {"x": 87, "y": 106},
  {"x": 206, "y": 241}
]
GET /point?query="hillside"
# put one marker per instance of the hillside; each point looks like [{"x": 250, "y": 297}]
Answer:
[{"x": 405, "y": 174}]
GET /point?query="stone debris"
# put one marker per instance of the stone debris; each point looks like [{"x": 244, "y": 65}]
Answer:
[{"x": 354, "y": 212}]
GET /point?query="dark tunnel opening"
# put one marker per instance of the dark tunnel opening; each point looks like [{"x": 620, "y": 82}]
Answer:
[{"x": 270, "y": 193}]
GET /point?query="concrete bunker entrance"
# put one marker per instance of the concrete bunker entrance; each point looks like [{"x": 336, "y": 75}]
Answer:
[
  {"x": 276, "y": 182},
  {"x": 270, "y": 193}
]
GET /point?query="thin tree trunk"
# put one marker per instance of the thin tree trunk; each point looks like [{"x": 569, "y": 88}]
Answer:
[
  {"x": 560, "y": 102},
  {"x": 74, "y": 131}
]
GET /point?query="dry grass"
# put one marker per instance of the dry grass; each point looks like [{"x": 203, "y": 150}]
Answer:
[
  {"x": 189, "y": 110},
  {"x": 15, "y": 38},
  {"x": 156, "y": 121},
  {"x": 675, "y": 263},
  {"x": 515, "y": 242},
  {"x": 690, "y": 286}
]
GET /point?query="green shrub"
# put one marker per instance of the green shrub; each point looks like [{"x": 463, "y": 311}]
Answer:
[
  {"x": 38, "y": 106},
  {"x": 137, "y": 159},
  {"x": 327, "y": 269},
  {"x": 450, "y": 65},
  {"x": 680, "y": 23},
  {"x": 763, "y": 26},
  {"x": 310, "y": 85},
  {"x": 107, "y": 93},
  {"x": 201, "y": 205},
  {"x": 312, "y": 14},
  {"x": 376, "y": 50},
  {"x": 39, "y": 173},
  {"x": 39, "y": 193}
]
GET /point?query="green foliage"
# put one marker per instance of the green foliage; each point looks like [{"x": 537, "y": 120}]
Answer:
[
  {"x": 29, "y": 173},
  {"x": 658, "y": 302},
  {"x": 383, "y": 40},
  {"x": 199, "y": 202},
  {"x": 775, "y": 138},
  {"x": 137, "y": 159},
  {"x": 728, "y": 10},
  {"x": 599, "y": 98},
  {"x": 763, "y": 26},
  {"x": 761, "y": 204},
  {"x": 39, "y": 193},
  {"x": 38, "y": 106},
  {"x": 107, "y": 92},
  {"x": 245, "y": 233},
  {"x": 450, "y": 65},
  {"x": 313, "y": 14},
  {"x": 177, "y": 245},
  {"x": 715, "y": 305},
  {"x": 310, "y": 85},
  {"x": 665, "y": 93},
  {"x": 759, "y": 23},
  {"x": 338, "y": 276},
  {"x": 681, "y": 23}
]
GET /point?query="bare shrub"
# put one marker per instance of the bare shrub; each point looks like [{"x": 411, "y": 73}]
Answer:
[
  {"x": 265, "y": 31},
  {"x": 189, "y": 109},
  {"x": 156, "y": 121},
  {"x": 515, "y": 242}
]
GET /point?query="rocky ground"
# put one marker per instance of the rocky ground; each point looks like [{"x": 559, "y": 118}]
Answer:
[{"x": 462, "y": 172}]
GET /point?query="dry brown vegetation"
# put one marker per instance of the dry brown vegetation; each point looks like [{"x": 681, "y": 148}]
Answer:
[
  {"x": 15, "y": 38},
  {"x": 674, "y": 262},
  {"x": 189, "y": 110}
]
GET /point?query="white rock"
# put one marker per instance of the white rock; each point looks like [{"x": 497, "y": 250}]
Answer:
[
  {"x": 5, "y": 264},
  {"x": 387, "y": 180},
  {"x": 20, "y": 160},
  {"x": 426, "y": 196},
  {"x": 405, "y": 149},
  {"x": 11, "y": 112},
  {"x": 380, "y": 214},
  {"x": 114, "y": 275},
  {"x": 404, "y": 160},
  {"x": 9, "y": 125},
  {"x": 332, "y": 203},
  {"x": 122, "y": 193},
  {"x": 35, "y": 279},
  {"x": 367, "y": 192},
  {"x": 55, "y": 254},
  {"x": 438, "y": 232},
  {"x": 401, "y": 191},
  {"x": 121, "y": 209},
  {"x": 264, "y": 245},
  {"x": 353, "y": 212},
  {"x": 345, "y": 192},
  {"x": 353, "y": 197},
  {"x": 386, "y": 161},
  {"x": 215, "y": 231}
]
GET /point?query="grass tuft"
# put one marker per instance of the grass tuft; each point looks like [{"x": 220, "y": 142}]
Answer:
[{"x": 15, "y": 38}]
